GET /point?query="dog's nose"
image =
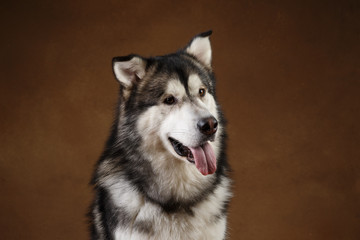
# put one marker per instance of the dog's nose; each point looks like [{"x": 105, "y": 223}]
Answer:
[{"x": 208, "y": 126}]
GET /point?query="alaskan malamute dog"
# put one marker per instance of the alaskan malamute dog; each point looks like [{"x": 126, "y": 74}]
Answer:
[{"x": 163, "y": 174}]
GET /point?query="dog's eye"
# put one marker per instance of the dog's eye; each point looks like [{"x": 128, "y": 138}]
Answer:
[
  {"x": 202, "y": 92},
  {"x": 170, "y": 100}
]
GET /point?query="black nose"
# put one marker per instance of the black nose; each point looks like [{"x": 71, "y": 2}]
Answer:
[{"x": 208, "y": 126}]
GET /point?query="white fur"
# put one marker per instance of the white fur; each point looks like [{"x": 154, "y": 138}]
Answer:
[
  {"x": 175, "y": 226},
  {"x": 200, "y": 48},
  {"x": 127, "y": 71},
  {"x": 124, "y": 194},
  {"x": 123, "y": 234}
]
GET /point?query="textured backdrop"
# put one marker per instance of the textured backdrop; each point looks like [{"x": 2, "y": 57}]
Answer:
[{"x": 288, "y": 80}]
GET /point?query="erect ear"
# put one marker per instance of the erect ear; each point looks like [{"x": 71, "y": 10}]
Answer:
[
  {"x": 129, "y": 70},
  {"x": 200, "y": 48}
]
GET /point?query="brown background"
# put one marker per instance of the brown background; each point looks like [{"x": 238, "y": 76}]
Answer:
[{"x": 288, "y": 79}]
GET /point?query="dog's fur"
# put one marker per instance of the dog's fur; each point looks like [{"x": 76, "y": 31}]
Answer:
[{"x": 144, "y": 188}]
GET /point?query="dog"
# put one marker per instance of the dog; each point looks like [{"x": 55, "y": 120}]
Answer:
[{"x": 164, "y": 173}]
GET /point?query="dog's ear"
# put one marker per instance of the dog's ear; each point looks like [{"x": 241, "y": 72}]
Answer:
[
  {"x": 200, "y": 48},
  {"x": 129, "y": 70}
]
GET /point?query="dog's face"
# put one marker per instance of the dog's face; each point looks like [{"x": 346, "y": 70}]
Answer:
[
  {"x": 173, "y": 98},
  {"x": 190, "y": 122}
]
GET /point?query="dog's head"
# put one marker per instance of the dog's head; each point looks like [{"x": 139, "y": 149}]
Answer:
[{"x": 172, "y": 100}]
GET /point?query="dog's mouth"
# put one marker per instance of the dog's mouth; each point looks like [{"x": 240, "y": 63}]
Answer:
[
  {"x": 182, "y": 150},
  {"x": 202, "y": 156}
]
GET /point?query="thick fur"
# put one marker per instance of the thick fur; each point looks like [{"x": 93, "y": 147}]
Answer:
[{"x": 143, "y": 188}]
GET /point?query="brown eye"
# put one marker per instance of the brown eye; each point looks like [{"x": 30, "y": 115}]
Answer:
[
  {"x": 202, "y": 92},
  {"x": 170, "y": 100}
]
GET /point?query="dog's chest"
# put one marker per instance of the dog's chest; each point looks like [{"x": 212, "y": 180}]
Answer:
[
  {"x": 153, "y": 223},
  {"x": 142, "y": 219}
]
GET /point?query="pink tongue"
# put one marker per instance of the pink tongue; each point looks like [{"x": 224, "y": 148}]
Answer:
[{"x": 205, "y": 159}]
